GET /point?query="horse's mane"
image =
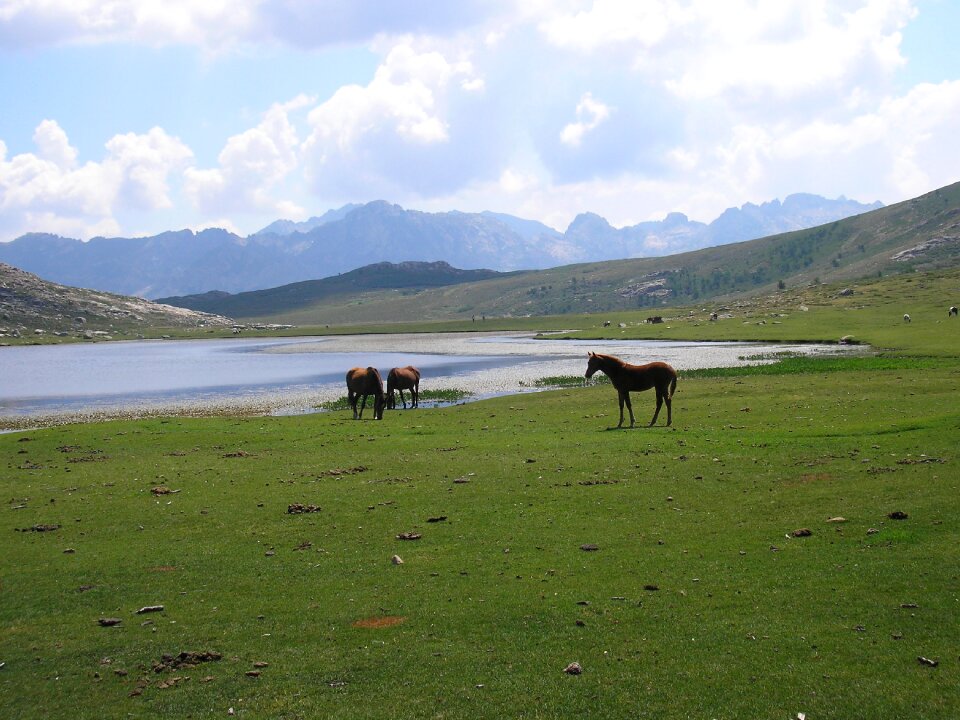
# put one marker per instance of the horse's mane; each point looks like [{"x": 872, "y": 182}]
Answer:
[{"x": 613, "y": 360}]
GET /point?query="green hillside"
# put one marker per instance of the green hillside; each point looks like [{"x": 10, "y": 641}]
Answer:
[
  {"x": 405, "y": 277},
  {"x": 922, "y": 233}
]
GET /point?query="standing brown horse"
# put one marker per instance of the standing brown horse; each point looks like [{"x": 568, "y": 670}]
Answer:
[
  {"x": 627, "y": 378},
  {"x": 365, "y": 381},
  {"x": 400, "y": 379}
]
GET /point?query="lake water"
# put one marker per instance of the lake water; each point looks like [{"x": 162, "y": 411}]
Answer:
[{"x": 293, "y": 374}]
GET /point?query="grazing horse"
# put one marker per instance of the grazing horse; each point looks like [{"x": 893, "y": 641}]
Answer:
[
  {"x": 627, "y": 378},
  {"x": 906, "y": 317},
  {"x": 365, "y": 381},
  {"x": 400, "y": 379},
  {"x": 952, "y": 311}
]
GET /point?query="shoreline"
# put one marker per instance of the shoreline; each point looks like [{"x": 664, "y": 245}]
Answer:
[{"x": 542, "y": 359}]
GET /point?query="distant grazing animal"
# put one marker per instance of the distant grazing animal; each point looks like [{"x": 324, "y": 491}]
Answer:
[
  {"x": 364, "y": 382},
  {"x": 400, "y": 379},
  {"x": 627, "y": 378},
  {"x": 952, "y": 310},
  {"x": 906, "y": 318}
]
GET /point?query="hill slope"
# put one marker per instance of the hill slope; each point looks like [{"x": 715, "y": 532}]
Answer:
[
  {"x": 29, "y": 304},
  {"x": 348, "y": 287},
  {"x": 917, "y": 234}
]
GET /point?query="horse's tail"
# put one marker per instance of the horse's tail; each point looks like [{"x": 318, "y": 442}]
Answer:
[{"x": 673, "y": 386}]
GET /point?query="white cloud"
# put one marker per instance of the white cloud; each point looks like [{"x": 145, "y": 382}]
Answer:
[
  {"x": 251, "y": 165},
  {"x": 355, "y": 133},
  {"x": 910, "y": 140},
  {"x": 513, "y": 181},
  {"x": 212, "y": 23},
  {"x": 402, "y": 97},
  {"x": 610, "y": 22},
  {"x": 590, "y": 113},
  {"x": 703, "y": 48},
  {"x": 218, "y": 24},
  {"x": 53, "y": 145},
  {"x": 48, "y": 192},
  {"x": 790, "y": 47}
]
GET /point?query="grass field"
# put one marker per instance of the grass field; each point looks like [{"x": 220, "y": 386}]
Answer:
[{"x": 663, "y": 560}]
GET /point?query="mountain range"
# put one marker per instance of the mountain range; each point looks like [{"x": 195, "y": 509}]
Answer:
[
  {"x": 917, "y": 235},
  {"x": 183, "y": 262}
]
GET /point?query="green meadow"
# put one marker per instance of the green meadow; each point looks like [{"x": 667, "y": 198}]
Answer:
[{"x": 789, "y": 546}]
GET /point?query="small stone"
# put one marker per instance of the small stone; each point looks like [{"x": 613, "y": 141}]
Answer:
[
  {"x": 573, "y": 669},
  {"x": 109, "y": 622},
  {"x": 396, "y": 560},
  {"x": 837, "y": 519},
  {"x": 589, "y": 547},
  {"x": 802, "y": 532},
  {"x": 927, "y": 661},
  {"x": 150, "y": 609},
  {"x": 898, "y": 515}
]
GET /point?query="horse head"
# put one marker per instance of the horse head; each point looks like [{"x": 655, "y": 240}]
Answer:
[
  {"x": 379, "y": 401},
  {"x": 376, "y": 389},
  {"x": 593, "y": 364}
]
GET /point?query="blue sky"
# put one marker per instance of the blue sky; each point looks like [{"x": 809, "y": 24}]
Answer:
[{"x": 132, "y": 117}]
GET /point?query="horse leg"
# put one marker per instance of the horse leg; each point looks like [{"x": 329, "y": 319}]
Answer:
[
  {"x": 362, "y": 406},
  {"x": 620, "y": 398},
  {"x": 656, "y": 412},
  {"x": 352, "y": 399},
  {"x": 626, "y": 396},
  {"x": 667, "y": 398},
  {"x": 402, "y": 398},
  {"x": 416, "y": 395}
]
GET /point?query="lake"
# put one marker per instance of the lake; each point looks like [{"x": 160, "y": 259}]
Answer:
[{"x": 294, "y": 374}]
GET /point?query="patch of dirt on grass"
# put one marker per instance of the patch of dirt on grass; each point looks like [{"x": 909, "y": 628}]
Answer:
[
  {"x": 39, "y": 528},
  {"x": 185, "y": 660},
  {"x": 814, "y": 477},
  {"x": 337, "y": 472},
  {"x": 378, "y": 622},
  {"x": 300, "y": 509}
]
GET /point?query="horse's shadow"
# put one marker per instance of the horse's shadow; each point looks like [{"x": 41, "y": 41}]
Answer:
[{"x": 638, "y": 427}]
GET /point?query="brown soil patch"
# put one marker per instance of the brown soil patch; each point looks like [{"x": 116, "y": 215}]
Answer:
[
  {"x": 815, "y": 477},
  {"x": 379, "y": 622}
]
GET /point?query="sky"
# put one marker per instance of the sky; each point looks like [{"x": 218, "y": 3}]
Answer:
[{"x": 132, "y": 117}]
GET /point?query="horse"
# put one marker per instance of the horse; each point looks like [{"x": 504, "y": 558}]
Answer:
[
  {"x": 365, "y": 381},
  {"x": 627, "y": 378},
  {"x": 400, "y": 379},
  {"x": 906, "y": 317},
  {"x": 952, "y": 312}
]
